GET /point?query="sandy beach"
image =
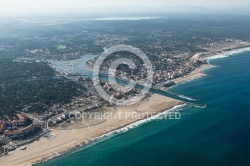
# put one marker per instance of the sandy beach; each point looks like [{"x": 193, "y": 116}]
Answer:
[
  {"x": 223, "y": 51},
  {"x": 63, "y": 141},
  {"x": 193, "y": 75}
]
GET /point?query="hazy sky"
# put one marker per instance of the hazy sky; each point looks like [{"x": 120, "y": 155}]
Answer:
[{"x": 13, "y": 6}]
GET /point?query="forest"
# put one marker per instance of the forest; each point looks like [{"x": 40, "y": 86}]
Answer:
[{"x": 37, "y": 94}]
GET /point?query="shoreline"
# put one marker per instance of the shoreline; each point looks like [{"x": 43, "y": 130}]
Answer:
[
  {"x": 111, "y": 134},
  {"x": 64, "y": 142},
  {"x": 198, "y": 72},
  {"x": 36, "y": 156},
  {"x": 223, "y": 53}
]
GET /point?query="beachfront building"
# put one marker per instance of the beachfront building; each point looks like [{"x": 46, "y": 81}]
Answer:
[
  {"x": 22, "y": 132},
  {"x": 3, "y": 125},
  {"x": 22, "y": 120}
]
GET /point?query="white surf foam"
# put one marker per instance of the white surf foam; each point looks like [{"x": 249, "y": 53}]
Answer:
[
  {"x": 133, "y": 125},
  {"x": 227, "y": 53},
  {"x": 56, "y": 154},
  {"x": 106, "y": 136}
]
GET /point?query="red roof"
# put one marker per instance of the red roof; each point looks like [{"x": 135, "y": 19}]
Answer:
[
  {"x": 21, "y": 118},
  {"x": 10, "y": 132}
]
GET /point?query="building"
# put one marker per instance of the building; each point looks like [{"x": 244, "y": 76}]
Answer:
[
  {"x": 3, "y": 125},
  {"x": 22, "y": 132},
  {"x": 22, "y": 120}
]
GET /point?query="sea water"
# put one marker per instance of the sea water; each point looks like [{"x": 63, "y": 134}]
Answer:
[{"x": 216, "y": 135}]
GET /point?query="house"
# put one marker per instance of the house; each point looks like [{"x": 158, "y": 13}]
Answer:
[{"x": 22, "y": 120}]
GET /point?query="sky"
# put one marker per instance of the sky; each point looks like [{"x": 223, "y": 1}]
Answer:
[{"x": 17, "y": 6}]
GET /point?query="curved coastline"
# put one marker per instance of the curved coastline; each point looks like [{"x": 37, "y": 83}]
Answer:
[
  {"x": 63, "y": 142},
  {"x": 138, "y": 123},
  {"x": 198, "y": 72},
  {"x": 227, "y": 53},
  {"x": 113, "y": 133},
  {"x": 121, "y": 129}
]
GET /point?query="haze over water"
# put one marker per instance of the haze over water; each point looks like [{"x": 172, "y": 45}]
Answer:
[{"x": 216, "y": 135}]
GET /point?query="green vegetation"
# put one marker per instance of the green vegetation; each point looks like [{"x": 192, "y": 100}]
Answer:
[
  {"x": 170, "y": 34},
  {"x": 38, "y": 95},
  {"x": 11, "y": 69}
]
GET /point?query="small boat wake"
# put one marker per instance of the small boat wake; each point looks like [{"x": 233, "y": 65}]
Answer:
[
  {"x": 182, "y": 96},
  {"x": 188, "y": 98},
  {"x": 198, "y": 105}
]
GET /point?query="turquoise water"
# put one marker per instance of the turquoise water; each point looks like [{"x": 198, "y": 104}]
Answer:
[{"x": 216, "y": 135}]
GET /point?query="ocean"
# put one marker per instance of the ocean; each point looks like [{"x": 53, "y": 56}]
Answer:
[{"x": 216, "y": 135}]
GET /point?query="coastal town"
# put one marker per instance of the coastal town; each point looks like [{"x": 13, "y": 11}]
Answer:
[
  {"x": 48, "y": 96},
  {"x": 23, "y": 128}
]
